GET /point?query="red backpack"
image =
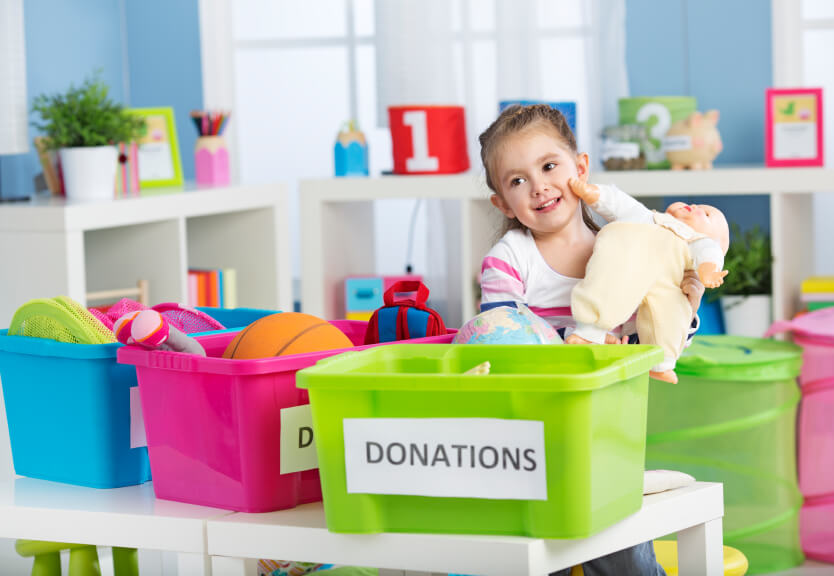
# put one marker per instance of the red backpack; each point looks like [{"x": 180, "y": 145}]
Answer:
[{"x": 405, "y": 318}]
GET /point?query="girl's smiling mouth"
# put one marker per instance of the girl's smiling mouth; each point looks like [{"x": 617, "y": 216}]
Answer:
[{"x": 549, "y": 205}]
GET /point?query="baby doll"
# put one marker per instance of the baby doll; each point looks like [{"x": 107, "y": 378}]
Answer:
[{"x": 638, "y": 263}]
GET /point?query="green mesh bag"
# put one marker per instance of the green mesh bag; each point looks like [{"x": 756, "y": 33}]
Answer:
[{"x": 61, "y": 319}]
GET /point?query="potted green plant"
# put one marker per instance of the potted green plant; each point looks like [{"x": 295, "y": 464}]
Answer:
[
  {"x": 746, "y": 292},
  {"x": 84, "y": 125}
]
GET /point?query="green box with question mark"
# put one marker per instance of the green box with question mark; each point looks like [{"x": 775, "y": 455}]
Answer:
[{"x": 657, "y": 114}]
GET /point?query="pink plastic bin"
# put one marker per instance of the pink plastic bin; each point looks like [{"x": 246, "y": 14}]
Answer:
[
  {"x": 213, "y": 425},
  {"x": 815, "y": 429}
]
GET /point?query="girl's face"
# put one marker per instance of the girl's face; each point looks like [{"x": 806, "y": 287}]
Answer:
[{"x": 532, "y": 168}]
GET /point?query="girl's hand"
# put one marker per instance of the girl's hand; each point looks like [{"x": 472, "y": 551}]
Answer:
[{"x": 692, "y": 287}]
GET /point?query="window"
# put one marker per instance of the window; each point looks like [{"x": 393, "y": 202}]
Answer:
[{"x": 298, "y": 70}]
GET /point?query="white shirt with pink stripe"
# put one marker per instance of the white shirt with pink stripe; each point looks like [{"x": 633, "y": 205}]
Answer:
[{"x": 515, "y": 271}]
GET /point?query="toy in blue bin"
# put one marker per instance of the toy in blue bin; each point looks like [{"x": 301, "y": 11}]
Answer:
[
  {"x": 74, "y": 413},
  {"x": 507, "y": 325}
]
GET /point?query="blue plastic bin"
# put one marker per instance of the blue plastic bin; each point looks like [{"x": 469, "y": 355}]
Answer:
[
  {"x": 235, "y": 317},
  {"x": 69, "y": 408}
]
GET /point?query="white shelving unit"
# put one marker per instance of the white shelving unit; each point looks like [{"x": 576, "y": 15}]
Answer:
[
  {"x": 337, "y": 236},
  {"x": 51, "y": 246}
]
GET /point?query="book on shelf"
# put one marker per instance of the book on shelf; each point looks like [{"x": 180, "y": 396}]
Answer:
[
  {"x": 51, "y": 166},
  {"x": 214, "y": 287}
]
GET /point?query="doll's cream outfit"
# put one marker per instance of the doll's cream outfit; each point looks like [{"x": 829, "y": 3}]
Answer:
[{"x": 638, "y": 263}]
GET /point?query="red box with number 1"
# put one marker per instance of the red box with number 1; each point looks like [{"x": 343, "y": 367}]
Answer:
[{"x": 428, "y": 139}]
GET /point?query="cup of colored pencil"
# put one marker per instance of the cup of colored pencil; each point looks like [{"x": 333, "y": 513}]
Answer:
[
  {"x": 210, "y": 122},
  {"x": 211, "y": 157}
]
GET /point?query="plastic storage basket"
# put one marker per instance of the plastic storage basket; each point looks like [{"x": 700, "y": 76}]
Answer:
[
  {"x": 70, "y": 408},
  {"x": 69, "y": 412},
  {"x": 590, "y": 401},
  {"x": 815, "y": 333},
  {"x": 731, "y": 419},
  {"x": 214, "y": 425}
]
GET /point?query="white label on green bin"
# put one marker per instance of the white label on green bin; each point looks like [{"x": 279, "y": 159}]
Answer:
[
  {"x": 298, "y": 448},
  {"x": 446, "y": 457}
]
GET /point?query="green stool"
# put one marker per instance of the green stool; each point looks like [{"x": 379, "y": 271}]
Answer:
[{"x": 83, "y": 558}]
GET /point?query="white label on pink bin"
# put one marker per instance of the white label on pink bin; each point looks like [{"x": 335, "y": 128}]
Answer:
[
  {"x": 137, "y": 421},
  {"x": 448, "y": 457},
  {"x": 298, "y": 447}
]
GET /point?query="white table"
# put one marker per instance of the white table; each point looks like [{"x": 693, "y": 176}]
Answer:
[
  {"x": 129, "y": 517},
  {"x": 694, "y": 513}
]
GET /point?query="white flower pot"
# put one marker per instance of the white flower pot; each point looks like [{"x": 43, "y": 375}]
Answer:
[
  {"x": 747, "y": 315},
  {"x": 89, "y": 173}
]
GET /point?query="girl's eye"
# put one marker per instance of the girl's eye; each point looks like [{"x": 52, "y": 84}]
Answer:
[
  {"x": 549, "y": 166},
  {"x": 517, "y": 181}
]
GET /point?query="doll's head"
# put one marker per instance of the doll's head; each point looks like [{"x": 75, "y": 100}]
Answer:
[{"x": 703, "y": 218}]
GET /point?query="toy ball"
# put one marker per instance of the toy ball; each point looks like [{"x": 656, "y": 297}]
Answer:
[
  {"x": 507, "y": 325},
  {"x": 286, "y": 333},
  {"x": 144, "y": 327}
]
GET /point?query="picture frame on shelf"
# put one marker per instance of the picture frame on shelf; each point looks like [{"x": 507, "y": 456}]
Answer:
[
  {"x": 793, "y": 127},
  {"x": 159, "y": 155}
]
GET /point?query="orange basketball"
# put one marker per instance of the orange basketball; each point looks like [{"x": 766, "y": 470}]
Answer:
[{"x": 286, "y": 333}]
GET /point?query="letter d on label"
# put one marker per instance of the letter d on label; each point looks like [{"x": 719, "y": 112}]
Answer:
[
  {"x": 297, "y": 442},
  {"x": 305, "y": 436},
  {"x": 379, "y": 451}
]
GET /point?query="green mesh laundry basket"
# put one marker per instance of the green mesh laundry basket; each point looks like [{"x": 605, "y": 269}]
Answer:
[{"x": 731, "y": 419}]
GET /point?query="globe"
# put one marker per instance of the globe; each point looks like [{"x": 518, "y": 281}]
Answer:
[{"x": 507, "y": 325}]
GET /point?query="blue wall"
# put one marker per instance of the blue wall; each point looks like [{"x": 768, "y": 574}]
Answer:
[
  {"x": 161, "y": 44},
  {"x": 715, "y": 50},
  {"x": 76, "y": 39},
  {"x": 718, "y": 51},
  {"x": 163, "y": 39}
]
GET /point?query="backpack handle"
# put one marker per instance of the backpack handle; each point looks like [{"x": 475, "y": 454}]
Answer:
[{"x": 407, "y": 286}]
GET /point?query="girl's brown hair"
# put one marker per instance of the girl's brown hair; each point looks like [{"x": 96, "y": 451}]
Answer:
[{"x": 512, "y": 120}]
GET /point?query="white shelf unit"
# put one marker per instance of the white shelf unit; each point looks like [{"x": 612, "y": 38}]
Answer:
[
  {"x": 52, "y": 246},
  {"x": 337, "y": 236}
]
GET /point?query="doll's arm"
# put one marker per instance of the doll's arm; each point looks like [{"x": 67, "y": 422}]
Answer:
[
  {"x": 710, "y": 275},
  {"x": 610, "y": 202},
  {"x": 709, "y": 259}
]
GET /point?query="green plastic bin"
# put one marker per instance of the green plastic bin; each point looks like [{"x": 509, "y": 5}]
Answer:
[
  {"x": 591, "y": 400},
  {"x": 657, "y": 114},
  {"x": 731, "y": 419}
]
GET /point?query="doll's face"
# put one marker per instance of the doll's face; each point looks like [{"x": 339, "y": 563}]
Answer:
[{"x": 703, "y": 218}]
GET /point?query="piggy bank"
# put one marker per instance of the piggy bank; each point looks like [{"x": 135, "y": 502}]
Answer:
[{"x": 693, "y": 143}]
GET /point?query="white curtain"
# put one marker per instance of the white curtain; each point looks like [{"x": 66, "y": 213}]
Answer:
[
  {"x": 522, "y": 64},
  {"x": 14, "y": 117},
  {"x": 414, "y": 54},
  {"x": 416, "y": 65},
  {"x": 607, "y": 76},
  {"x": 421, "y": 61}
]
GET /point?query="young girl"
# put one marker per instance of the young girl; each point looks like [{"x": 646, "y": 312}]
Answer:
[{"x": 529, "y": 154}]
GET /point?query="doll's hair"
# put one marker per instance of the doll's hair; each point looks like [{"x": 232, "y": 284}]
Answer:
[{"x": 515, "y": 119}]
